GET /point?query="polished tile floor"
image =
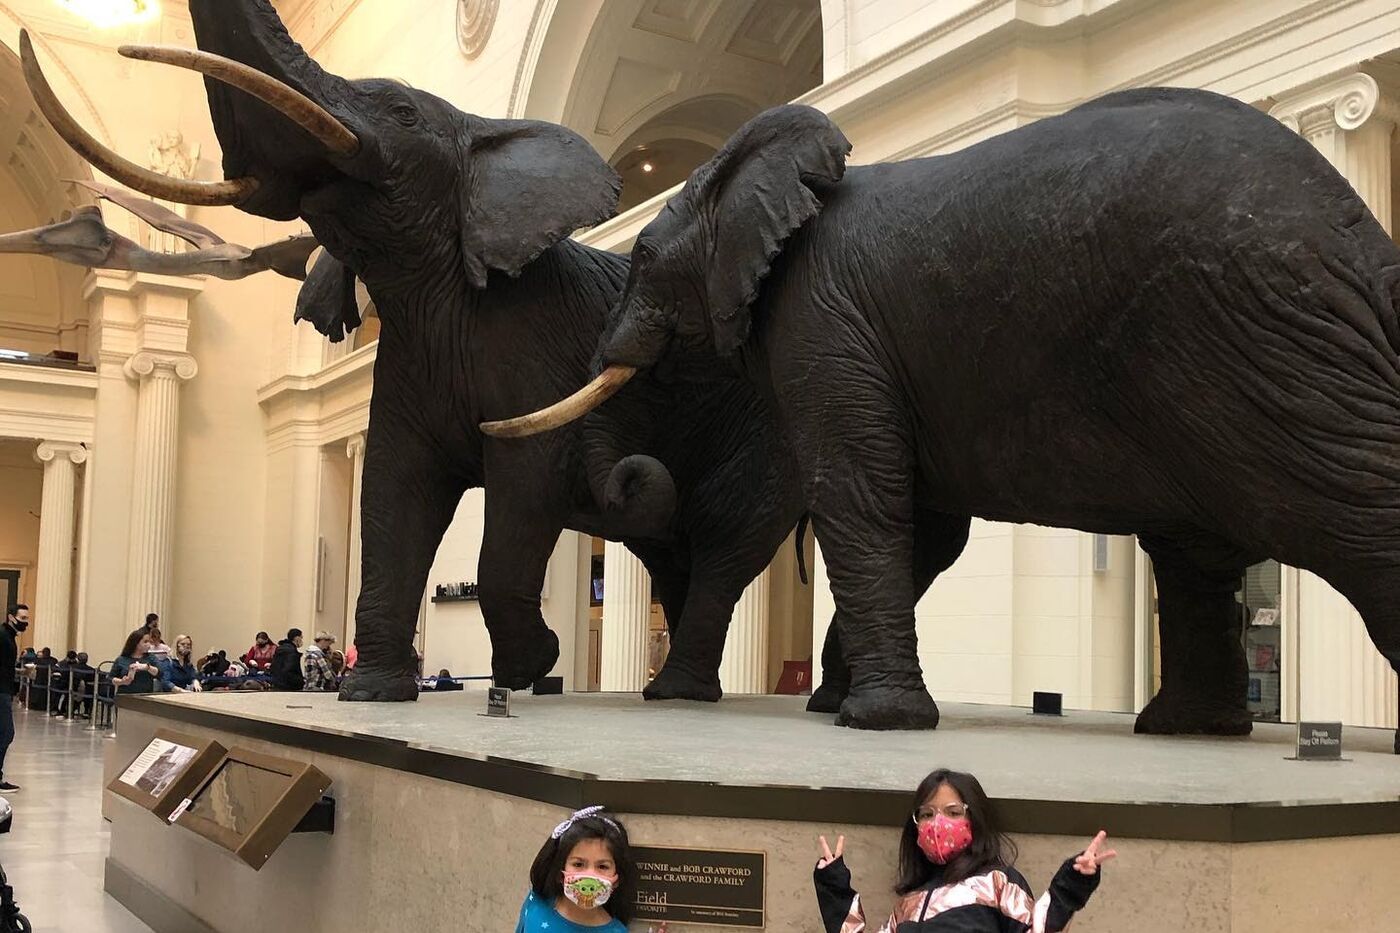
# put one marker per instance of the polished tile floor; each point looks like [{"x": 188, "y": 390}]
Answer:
[{"x": 55, "y": 851}]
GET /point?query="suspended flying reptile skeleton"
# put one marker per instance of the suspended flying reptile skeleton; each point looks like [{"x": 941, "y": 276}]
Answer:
[{"x": 83, "y": 238}]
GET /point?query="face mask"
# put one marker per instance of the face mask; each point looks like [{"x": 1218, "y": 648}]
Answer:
[
  {"x": 942, "y": 839},
  {"x": 587, "y": 890},
  {"x": 20, "y": 625}
]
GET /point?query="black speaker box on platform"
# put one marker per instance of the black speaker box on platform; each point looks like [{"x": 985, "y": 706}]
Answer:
[{"x": 548, "y": 685}]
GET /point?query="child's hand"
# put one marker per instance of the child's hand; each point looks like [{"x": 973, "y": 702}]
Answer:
[
  {"x": 1088, "y": 861},
  {"x": 827, "y": 855}
]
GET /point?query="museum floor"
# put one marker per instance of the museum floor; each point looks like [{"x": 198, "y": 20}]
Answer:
[{"x": 55, "y": 852}]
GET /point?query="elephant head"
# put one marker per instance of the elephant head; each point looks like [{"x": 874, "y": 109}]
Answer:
[
  {"x": 696, "y": 272},
  {"x": 399, "y": 185}
]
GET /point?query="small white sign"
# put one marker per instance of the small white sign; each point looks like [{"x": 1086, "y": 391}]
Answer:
[{"x": 184, "y": 805}]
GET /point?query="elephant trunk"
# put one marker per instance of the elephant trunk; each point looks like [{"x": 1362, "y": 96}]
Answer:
[{"x": 638, "y": 497}]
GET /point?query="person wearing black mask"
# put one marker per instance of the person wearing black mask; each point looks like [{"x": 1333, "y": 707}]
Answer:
[
  {"x": 286, "y": 663},
  {"x": 16, "y": 621}
]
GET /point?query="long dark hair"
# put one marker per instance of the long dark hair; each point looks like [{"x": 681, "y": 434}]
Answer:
[
  {"x": 132, "y": 640},
  {"x": 991, "y": 848},
  {"x": 547, "y": 873}
]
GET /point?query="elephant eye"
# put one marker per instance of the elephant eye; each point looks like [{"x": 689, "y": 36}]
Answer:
[{"x": 405, "y": 114}]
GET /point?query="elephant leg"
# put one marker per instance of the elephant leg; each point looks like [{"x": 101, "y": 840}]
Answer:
[
  {"x": 691, "y": 671},
  {"x": 1204, "y": 675},
  {"x": 521, "y": 529},
  {"x": 939, "y": 540},
  {"x": 407, "y": 502}
]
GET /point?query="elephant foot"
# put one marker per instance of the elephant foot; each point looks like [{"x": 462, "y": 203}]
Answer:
[
  {"x": 673, "y": 683},
  {"x": 369, "y": 685},
  {"x": 521, "y": 666},
  {"x": 828, "y": 698},
  {"x": 888, "y": 708},
  {"x": 1169, "y": 715}
]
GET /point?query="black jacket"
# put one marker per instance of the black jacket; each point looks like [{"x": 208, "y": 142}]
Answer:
[
  {"x": 286, "y": 667},
  {"x": 9, "y": 657}
]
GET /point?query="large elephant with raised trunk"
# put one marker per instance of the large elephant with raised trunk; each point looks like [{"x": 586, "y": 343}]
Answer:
[
  {"x": 1161, "y": 313},
  {"x": 458, "y": 225}
]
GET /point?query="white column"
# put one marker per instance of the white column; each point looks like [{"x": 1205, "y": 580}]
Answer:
[
  {"x": 626, "y": 611},
  {"x": 1341, "y": 675},
  {"x": 55, "y": 583},
  {"x": 153, "y": 480},
  {"x": 355, "y": 450},
  {"x": 80, "y": 633},
  {"x": 1350, "y": 122},
  {"x": 744, "y": 667}
]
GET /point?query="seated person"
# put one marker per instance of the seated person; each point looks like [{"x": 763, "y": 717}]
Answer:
[
  {"x": 259, "y": 657},
  {"x": 319, "y": 675},
  {"x": 131, "y": 672},
  {"x": 183, "y": 674},
  {"x": 215, "y": 665},
  {"x": 445, "y": 681},
  {"x": 84, "y": 676}
]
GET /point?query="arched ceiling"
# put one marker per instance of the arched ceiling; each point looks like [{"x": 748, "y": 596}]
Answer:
[{"x": 644, "y": 57}]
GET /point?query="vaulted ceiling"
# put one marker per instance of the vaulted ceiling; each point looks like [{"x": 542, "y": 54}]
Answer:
[{"x": 664, "y": 82}]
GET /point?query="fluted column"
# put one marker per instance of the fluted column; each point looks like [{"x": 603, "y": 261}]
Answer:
[
  {"x": 55, "y": 584},
  {"x": 626, "y": 611},
  {"x": 355, "y": 450},
  {"x": 744, "y": 668},
  {"x": 1351, "y": 122},
  {"x": 153, "y": 479}
]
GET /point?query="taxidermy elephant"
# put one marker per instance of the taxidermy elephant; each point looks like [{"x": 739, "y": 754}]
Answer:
[
  {"x": 458, "y": 226},
  {"x": 1161, "y": 313}
]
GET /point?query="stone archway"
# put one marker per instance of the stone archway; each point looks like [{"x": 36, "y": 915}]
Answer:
[{"x": 659, "y": 85}]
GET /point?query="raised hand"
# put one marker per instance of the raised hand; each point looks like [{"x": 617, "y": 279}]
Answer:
[
  {"x": 827, "y": 855},
  {"x": 1088, "y": 861}
]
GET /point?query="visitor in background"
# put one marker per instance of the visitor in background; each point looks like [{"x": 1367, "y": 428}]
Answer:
[
  {"x": 259, "y": 657},
  {"x": 216, "y": 665},
  {"x": 445, "y": 681},
  {"x": 84, "y": 675},
  {"x": 583, "y": 877},
  {"x": 60, "y": 683},
  {"x": 956, "y": 865},
  {"x": 152, "y": 621},
  {"x": 337, "y": 659},
  {"x": 131, "y": 672},
  {"x": 28, "y": 656},
  {"x": 183, "y": 674},
  {"x": 319, "y": 675},
  {"x": 286, "y": 663},
  {"x": 16, "y": 621},
  {"x": 39, "y": 697},
  {"x": 352, "y": 654}
]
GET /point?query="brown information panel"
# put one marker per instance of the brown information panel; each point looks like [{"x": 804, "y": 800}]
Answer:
[
  {"x": 718, "y": 887},
  {"x": 170, "y": 766}
]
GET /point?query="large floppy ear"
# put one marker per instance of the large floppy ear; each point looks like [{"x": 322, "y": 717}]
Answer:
[
  {"x": 756, "y": 192},
  {"x": 327, "y": 298},
  {"x": 526, "y": 184}
]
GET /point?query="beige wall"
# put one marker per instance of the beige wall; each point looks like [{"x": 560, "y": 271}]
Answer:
[{"x": 21, "y": 490}]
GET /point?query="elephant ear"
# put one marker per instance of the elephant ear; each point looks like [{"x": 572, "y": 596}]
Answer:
[
  {"x": 759, "y": 190},
  {"x": 327, "y": 298},
  {"x": 525, "y": 185}
]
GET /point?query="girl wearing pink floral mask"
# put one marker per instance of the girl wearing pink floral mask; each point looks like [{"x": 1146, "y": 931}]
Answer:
[
  {"x": 956, "y": 872},
  {"x": 583, "y": 878}
]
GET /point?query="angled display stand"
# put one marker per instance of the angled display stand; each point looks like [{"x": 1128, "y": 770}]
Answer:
[
  {"x": 250, "y": 802},
  {"x": 170, "y": 766}
]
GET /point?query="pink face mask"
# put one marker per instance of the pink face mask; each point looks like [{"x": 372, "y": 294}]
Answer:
[{"x": 942, "y": 839}]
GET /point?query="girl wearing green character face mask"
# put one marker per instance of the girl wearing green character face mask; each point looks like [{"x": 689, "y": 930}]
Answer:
[{"x": 582, "y": 879}]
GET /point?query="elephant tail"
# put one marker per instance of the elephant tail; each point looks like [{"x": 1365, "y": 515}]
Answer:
[{"x": 802, "y": 524}]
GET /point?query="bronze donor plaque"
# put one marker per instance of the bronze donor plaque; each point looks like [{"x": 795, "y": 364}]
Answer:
[{"x": 708, "y": 886}]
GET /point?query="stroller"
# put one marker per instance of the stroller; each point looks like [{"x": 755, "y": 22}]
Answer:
[{"x": 11, "y": 920}]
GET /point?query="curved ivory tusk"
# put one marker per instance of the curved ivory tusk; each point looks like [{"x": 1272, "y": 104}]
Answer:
[
  {"x": 154, "y": 184},
  {"x": 296, "y": 106},
  {"x": 562, "y": 412}
]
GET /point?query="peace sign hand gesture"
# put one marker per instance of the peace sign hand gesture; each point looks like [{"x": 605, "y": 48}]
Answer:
[
  {"x": 1088, "y": 861},
  {"x": 827, "y": 855}
]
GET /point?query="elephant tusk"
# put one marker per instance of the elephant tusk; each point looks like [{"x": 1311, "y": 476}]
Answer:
[
  {"x": 154, "y": 184},
  {"x": 562, "y": 412},
  {"x": 291, "y": 103}
]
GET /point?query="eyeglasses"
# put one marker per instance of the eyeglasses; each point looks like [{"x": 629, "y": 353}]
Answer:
[{"x": 953, "y": 811}]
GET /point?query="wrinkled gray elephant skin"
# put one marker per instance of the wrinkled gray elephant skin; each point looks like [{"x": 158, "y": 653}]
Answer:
[{"x": 1161, "y": 313}]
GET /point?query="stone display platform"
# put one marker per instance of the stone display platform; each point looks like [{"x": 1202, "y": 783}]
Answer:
[{"x": 440, "y": 811}]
